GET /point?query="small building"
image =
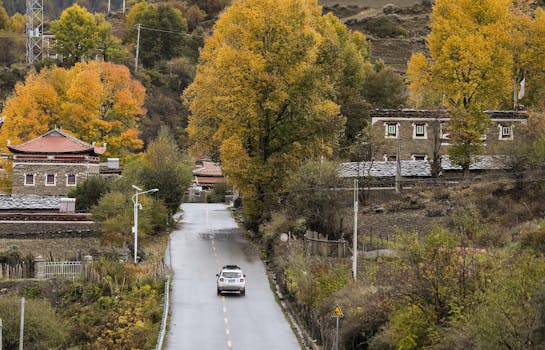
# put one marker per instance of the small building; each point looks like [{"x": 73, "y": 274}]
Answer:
[
  {"x": 424, "y": 135},
  {"x": 53, "y": 163},
  {"x": 207, "y": 175}
]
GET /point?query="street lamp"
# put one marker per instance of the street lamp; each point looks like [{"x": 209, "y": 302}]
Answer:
[{"x": 136, "y": 207}]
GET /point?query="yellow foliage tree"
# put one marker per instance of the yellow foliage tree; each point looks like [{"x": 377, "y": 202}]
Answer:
[
  {"x": 267, "y": 91},
  {"x": 470, "y": 62},
  {"x": 96, "y": 101},
  {"x": 480, "y": 52}
]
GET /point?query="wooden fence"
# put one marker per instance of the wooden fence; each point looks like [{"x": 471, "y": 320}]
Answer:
[
  {"x": 316, "y": 244},
  {"x": 40, "y": 268},
  {"x": 16, "y": 271}
]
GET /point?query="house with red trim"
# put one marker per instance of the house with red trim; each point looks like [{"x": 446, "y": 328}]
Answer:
[
  {"x": 53, "y": 163},
  {"x": 207, "y": 175}
]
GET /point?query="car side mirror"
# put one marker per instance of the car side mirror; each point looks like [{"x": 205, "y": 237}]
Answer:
[
  {"x": 217, "y": 274},
  {"x": 244, "y": 275}
]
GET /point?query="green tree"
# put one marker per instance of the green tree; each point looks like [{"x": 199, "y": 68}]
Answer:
[
  {"x": 526, "y": 151},
  {"x": 381, "y": 87},
  {"x": 162, "y": 31},
  {"x": 12, "y": 46},
  {"x": 466, "y": 131},
  {"x": 43, "y": 330},
  {"x": 165, "y": 169},
  {"x": 384, "y": 88},
  {"x": 164, "y": 84},
  {"x": 313, "y": 194},
  {"x": 115, "y": 212},
  {"x": 433, "y": 283},
  {"x": 538, "y": 331},
  {"x": 506, "y": 316},
  {"x": 266, "y": 93},
  {"x": 76, "y": 35},
  {"x": 4, "y": 18},
  {"x": 88, "y": 193},
  {"x": 109, "y": 47}
]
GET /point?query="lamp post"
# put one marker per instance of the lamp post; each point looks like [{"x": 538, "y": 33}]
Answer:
[{"x": 136, "y": 207}]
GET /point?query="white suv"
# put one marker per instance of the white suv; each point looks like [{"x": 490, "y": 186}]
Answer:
[{"x": 231, "y": 279}]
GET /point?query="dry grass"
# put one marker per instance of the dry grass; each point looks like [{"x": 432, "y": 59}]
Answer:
[
  {"x": 55, "y": 248},
  {"x": 76, "y": 247},
  {"x": 396, "y": 51},
  {"x": 154, "y": 247},
  {"x": 377, "y": 4}
]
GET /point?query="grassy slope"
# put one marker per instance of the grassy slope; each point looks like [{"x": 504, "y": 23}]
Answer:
[{"x": 394, "y": 51}]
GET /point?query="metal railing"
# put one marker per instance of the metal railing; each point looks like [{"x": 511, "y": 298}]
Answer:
[
  {"x": 166, "y": 308},
  {"x": 71, "y": 269}
]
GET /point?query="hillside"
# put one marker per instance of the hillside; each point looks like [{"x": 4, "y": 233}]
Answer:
[{"x": 396, "y": 29}]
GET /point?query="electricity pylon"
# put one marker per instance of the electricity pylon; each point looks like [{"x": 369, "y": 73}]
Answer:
[{"x": 34, "y": 30}]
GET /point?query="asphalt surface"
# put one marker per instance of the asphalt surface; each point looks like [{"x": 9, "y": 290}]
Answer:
[{"x": 209, "y": 238}]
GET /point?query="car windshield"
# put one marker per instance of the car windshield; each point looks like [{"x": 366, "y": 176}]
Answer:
[{"x": 231, "y": 274}]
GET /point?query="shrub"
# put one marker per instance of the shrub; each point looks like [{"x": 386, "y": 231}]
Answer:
[
  {"x": 218, "y": 194},
  {"x": 384, "y": 27},
  {"x": 43, "y": 330},
  {"x": 122, "y": 309},
  {"x": 88, "y": 193}
]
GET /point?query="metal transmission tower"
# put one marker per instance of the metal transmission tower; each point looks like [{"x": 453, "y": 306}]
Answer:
[{"x": 34, "y": 30}]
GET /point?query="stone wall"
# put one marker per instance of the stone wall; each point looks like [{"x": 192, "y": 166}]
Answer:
[
  {"x": 19, "y": 229},
  {"x": 61, "y": 170},
  {"x": 409, "y": 146}
]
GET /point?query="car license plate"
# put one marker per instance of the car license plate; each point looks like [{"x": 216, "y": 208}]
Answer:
[{"x": 232, "y": 280}]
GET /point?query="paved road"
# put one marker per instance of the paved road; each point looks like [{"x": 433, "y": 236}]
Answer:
[{"x": 208, "y": 238}]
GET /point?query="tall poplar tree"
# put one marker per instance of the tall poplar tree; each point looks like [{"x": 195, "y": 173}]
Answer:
[
  {"x": 480, "y": 52},
  {"x": 267, "y": 91}
]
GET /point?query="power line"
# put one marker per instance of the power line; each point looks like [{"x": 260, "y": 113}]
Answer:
[{"x": 169, "y": 31}]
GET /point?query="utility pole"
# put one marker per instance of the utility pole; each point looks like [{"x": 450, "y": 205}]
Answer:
[
  {"x": 135, "y": 227},
  {"x": 34, "y": 30},
  {"x": 123, "y": 6},
  {"x": 137, "y": 45},
  {"x": 398, "y": 171},
  {"x": 108, "y": 12},
  {"x": 22, "y": 327},
  {"x": 136, "y": 207},
  {"x": 0, "y": 334},
  {"x": 355, "y": 238}
]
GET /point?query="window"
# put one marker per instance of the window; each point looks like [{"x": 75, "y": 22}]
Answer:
[
  {"x": 445, "y": 132},
  {"x": 50, "y": 179},
  {"x": 420, "y": 157},
  {"x": 71, "y": 180},
  {"x": 29, "y": 179},
  {"x": 506, "y": 132},
  {"x": 391, "y": 130},
  {"x": 231, "y": 274},
  {"x": 390, "y": 157},
  {"x": 419, "y": 130}
]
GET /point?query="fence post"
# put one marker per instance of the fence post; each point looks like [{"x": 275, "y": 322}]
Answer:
[
  {"x": 340, "y": 249},
  {"x": 39, "y": 267},
  {"x": 86, "y": 265}
]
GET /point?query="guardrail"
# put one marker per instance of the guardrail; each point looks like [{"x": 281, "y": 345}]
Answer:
[{"x": 166, "y": 307}]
